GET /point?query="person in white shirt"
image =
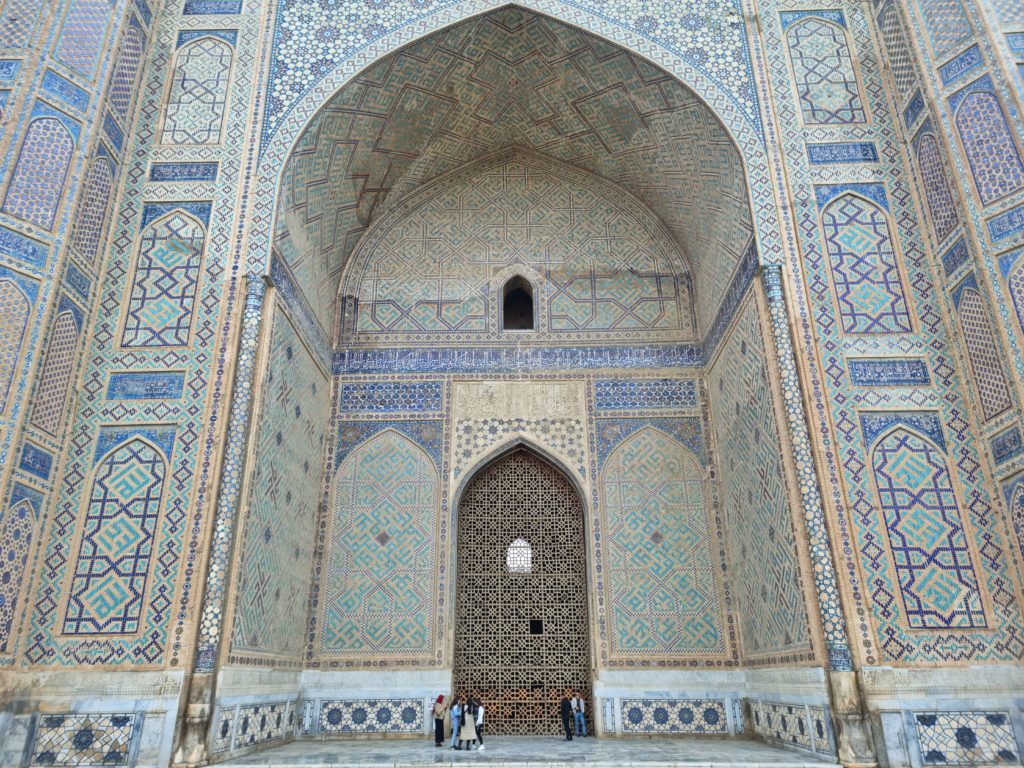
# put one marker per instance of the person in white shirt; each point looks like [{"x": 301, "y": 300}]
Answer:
[
  {"x": 579, "y": 713},
  {"x": 480, "y": 723}
]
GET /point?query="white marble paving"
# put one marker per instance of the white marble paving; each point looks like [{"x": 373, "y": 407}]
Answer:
[{"x": 536, "y": 752}]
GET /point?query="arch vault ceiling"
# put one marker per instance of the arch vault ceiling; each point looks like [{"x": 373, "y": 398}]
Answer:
[{"x": 511, "y": 78}]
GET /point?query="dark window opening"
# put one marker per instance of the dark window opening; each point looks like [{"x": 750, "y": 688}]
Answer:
[
  {"x": 536, "y": 626},
  {"x": 517, "y": 310}
]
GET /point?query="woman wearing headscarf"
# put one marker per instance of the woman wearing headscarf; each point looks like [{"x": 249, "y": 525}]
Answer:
[{"x": 440, "y": 708}]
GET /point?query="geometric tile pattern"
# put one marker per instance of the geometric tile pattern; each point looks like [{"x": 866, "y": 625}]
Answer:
[
  {"x": 824, "y": 77},
  {"x": 92, "y": 209},
  {"x": 946, "y": 22},
  {"x": 109, "y": 583},
  {"x": 435, "y": 269},
  {"x": 17, "y": 19},
  {"x": 37, "y": 183},
  {"x": 765, "y": 569},
  {"x": 966, "y": 738},
  {"x": 277, "y": 540},
  {"x": 674, "y": 716},
  {"x": 379, "y": 583},
  {"x": 1015, "y": 284},
  {"x": 389, "y": 396},
  {"x": 55, "y": 375},
  {"x": 17, "y": 523},
  {"x": 933, "y": 564},
  {"x": 473, "y": 438},
  {"x": 864, "y": 270},
  {"x": 983, "y": 352},
  {"x": 82, "y": 34},
  {"x": 795, "y": 725},
  {"x": 166, "y": 282},
  {"x": 72, "y": 739},
  {"x": 988, "y": 143},
  {"x": 198, "y": 99},
  {"x": 371, "y": 716},
  {"x": 629, "y": 394},
  {"x": 122, "y": 80},
  {"x": 659, "y": 566},
  {"x": 936, "y": 187},
  {"x": 260, "y": 723},
  {"x": 14, "y": 315},
  {"x": 526, "y": 81}
]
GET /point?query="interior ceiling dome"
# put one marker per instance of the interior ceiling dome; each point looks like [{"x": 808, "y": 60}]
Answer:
[{"x": 512, "y": 78}]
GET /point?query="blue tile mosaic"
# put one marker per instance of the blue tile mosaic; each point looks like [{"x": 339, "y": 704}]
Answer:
[
  {"x": 390, "y": 396},
  {"x": 644, "y": 394},
  {"x": 874, "y": 423},
  {"x": 144, "y": 11},
  {"x": 36, "y": 461},
  {"x": 1007, "y": 445},
  {"x": 153, "y": 211},
  {"x": 955, "y": 257},
  {"x": 110, "y": 437},
  {"x": 211, "y": 7},
  {"x": 966, "y": 738},
  {"x": 826, "y": 193},
  {"x": 229, "y": 36},
  {"x": 113, "y": 131},
  {"x": 146, "y": 386},
  {"x": 888, "y": 372},
  {"x": 456, "y": 360},
  {"x": 1016, "y": 41},
  {"x": 611, "y": 432},
  {"x": 9, "y": 68},
  {"x": 1006, "y": 225},
  {"x": 183, "y": 172},
  {"x": 17, "y": 246},
  {"x": 65, "y": 90},
  {"x": 789, "y": 18},
  {"x": 962, "y": 65},
  {"x": 913, "y": 109},
  {"x": 842, "y": 152},
  {"x": 77, "y": 281}
]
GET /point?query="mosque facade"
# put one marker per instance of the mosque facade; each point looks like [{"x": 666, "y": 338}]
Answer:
[{"x": 354, "y": 352}]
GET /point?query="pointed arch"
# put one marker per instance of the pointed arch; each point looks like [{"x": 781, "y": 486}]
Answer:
[
  {"x": 1015, "y": 282},
  {"x": 92, "y": 208},
  {"x": 117, "y": 541},
  {"x": 40, "y": 173},
  {"x": 14, "y": 314},
  {"x": 941, "y": 206},
  {"x": 824, "y": 75},
  {"x": 992, "y": 153},
  {"x": 16, "y": 529},
  {"x": 865, "y": 270},
  {"x": 661, "y": 581},
  {"x": 379, "y": 590},
  {"x": 929, "y": 547},
  {"x": 197, "y": 101},
  {"x": 55, "y": 374},
  {"x": 165, "y": 283},
  {"x": 983, "y": 354},
  {"x": 122, "y": 80}
]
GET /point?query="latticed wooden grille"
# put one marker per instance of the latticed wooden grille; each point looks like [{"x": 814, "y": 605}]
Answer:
[{"x": 521, "y": 632}]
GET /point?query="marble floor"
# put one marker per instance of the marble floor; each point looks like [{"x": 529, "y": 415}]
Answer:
[{"x": 654, "y": 752}]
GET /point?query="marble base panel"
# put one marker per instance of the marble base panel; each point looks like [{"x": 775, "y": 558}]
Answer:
[{"x": 86, "y": 718}]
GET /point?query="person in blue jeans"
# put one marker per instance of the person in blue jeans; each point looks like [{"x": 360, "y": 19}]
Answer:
[
  {"x": 456, "y": 722},
  {"x": 579, "y": 713}
]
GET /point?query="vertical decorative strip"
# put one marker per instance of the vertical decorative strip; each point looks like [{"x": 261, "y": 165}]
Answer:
[
  {"x": 210, "y": 624},
  {"x": 829, "y": 606}
]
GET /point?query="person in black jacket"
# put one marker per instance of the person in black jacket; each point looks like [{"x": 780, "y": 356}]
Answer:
[{"x": 566, "y": 711}]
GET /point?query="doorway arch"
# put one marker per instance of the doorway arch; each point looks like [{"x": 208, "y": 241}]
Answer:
[{"x": 522, "y": 627}]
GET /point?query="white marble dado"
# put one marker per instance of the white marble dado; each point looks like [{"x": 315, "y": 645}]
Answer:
[{"x": 375, "y": 684}]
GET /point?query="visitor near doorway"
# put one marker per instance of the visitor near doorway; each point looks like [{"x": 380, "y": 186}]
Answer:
[
  {"x": 579, "y": 713},
  {"x": 566, "y": 712}
]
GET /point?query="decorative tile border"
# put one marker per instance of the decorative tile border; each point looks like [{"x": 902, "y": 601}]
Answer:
[
  {"x": 966, "y": 738},
  {"x": 247, "y": 725},
  {"x": 794, "y": 725},
  {"x": 703, "y": 716},
  {"x": 371, "y": 716},
  {"x": 77, "y": 739}
]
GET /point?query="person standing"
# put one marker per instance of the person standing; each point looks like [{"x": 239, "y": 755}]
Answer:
[
  {"x": 579, "y": 709},
  {"x": 566, "y": 712},
  {"x": 456, "y": 721},
  {"x": 480, "y": 723},
  {"x": 439, "y": 709},
  {"x": 467, "y": 733}
]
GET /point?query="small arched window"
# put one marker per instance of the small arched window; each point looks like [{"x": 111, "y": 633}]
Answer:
[
  {"x": 519, "y": 558},
  {"x": 517, "y": 307}
]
